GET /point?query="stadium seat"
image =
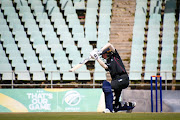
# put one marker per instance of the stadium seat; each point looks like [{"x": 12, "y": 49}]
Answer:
[
  {"x": 60, "y": 55},
  {"x": 45, "y": 54},
  {"x": 69, "y": 76},
  {"x": 83, "y": 73},
  {"x": 79, "y": 5},
  {"x": 136, "y": 62},
  {"x": 64, "y": 66},
  {"x": 54, "y": 75},
  {"x": 6, "y": 71},
  {"x": 74, "y": 55},
  {"x": 4, "y": 60},
  {"x": 56, "y": 48},
  {"x": 21, "y": 71},
  {"x": 178, "y": 59},
  {"x": 99, "y": 73},
  {"x": 24, "y": 10},
  {"x": 20, "y": 3},
  {"x": 46, "y": 60},
  {"x": 36, "y": 71},
  {"x": 52, "y": 72},
  {"x": 178, "y": 66},
  {"x": 28, "y": 54},
  {"x": 31, "y": 60},
  {"x": 38, "y": 76},
  {"x": 17, "y": 61}
]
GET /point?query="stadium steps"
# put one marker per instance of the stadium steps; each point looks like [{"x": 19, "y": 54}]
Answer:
[{"x": 121, "y": 28}]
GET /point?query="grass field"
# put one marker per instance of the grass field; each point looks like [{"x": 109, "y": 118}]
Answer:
[{"x": 89, "y": 116}]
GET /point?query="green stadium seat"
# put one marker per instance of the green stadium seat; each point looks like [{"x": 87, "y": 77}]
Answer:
[
  {"x": 20, "y": 3},
  {"x": 136, "y": 64},
  {"x": 6, "y": 71},
  {"x": 27, "y": 16},
  {"x": 92, "y": 4},
  {"x": 17, "y": 61},
  {"x": 86, "y": 50},
  {"x": 99, "y": 73},
  {"x": 178, "y": 67},
  {"x": 14, "y": 54},
  {"x": 56, "y": 48},
  {"x": 68, "y": 76},
  {"x": 46, "y": 61},
  {"x": 21, "y": 71},
  {"x": 74, "y": 55},
  {"x": 4, "y": 60},
  {"x": 28, "y": 53},
  {"x": 17, "y": 28},
  {"x": 41, "y": 16},
  {"x": 64, "y": 67},
  {"x": 57, "y": 16},
  {"x": 82, "y": 42},
  {"x": 40, "y": 48},
  {"x": 79, "y": 4},
  {"x": 8, "y": 40},
  {"x": 67, "y": 42},
  {"x": 50, "y": 67},
  {"x": 44, "y": 54},
  {"x": 53, "y": 41},
  {"x": 3, "y": 27},
  {"x": 71, "y": 48},
  {"x": 150, "y": 70},
  {"x": 32, "y": 60},
  {"x": 83, "y": 73},
  {"x": 54, "y": 75},
  {"x": 76, "y": 61},
  {"x": 38, "y": 74},
  {"x": 24, "y": 10}
]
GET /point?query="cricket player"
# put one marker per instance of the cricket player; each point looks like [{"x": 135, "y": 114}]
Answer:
[{"x": 120, "y": 79}]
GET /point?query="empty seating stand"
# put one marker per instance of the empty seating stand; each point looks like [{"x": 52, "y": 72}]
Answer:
[
  {"x": 168, "y": 41},
  {"x": 152, "y": 50},
  {"x": 178, "y": 58},
  {"x": 37, "y": 42},
  {"x": 138, "y": 40}
]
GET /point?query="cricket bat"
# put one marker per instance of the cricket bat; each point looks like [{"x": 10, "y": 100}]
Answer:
[{"x": 80, "y": 64}]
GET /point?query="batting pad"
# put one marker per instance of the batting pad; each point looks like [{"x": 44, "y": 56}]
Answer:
[{"x": 108, "y": 95}]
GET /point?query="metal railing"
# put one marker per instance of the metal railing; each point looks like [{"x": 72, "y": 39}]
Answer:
[{"x": 11, "y": 77}]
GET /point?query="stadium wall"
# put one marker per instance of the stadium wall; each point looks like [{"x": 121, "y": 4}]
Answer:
[
  {"x": 79, "y": 100},
  {"x": 170, "y": 100},
  {"x": 51, "y": 100}
]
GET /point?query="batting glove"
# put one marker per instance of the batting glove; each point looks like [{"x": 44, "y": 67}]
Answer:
[
  {"x": 98, "y": 51},
  {"x": 94, "y": 54}
]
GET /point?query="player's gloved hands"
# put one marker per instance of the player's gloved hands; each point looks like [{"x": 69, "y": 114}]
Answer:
[
  {"x": 98, "y": 51},
  {"x": 94, "y": 54}
]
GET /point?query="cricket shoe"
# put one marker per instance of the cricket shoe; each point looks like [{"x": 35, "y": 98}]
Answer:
[
  {"x": 107, "y": 111},
  {"x": 133, "y": 104}
]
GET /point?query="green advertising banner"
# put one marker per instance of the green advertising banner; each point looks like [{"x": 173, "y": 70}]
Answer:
[{"x": 51, "y": 100}]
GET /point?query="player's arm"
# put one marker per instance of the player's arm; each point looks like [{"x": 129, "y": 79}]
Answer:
[
  {"x": 95, "y": 56},
  {"x": 102, "y": 63},
  {"x": 108, "y": 45}
]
